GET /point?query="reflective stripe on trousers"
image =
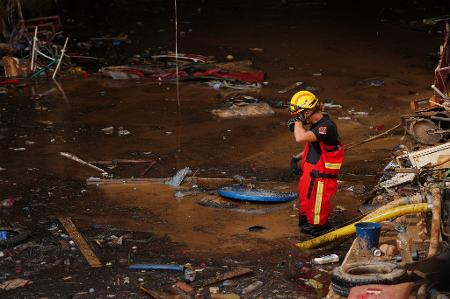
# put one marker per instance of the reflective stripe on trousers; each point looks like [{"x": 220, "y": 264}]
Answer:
[{"x": 318, "y": 203}]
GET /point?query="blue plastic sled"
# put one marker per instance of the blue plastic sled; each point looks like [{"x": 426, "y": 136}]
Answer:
[{"x": 238, "y": 192}]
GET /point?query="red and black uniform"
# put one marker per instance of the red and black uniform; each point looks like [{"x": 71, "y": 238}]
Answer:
[{"x": 320, "y": 166}]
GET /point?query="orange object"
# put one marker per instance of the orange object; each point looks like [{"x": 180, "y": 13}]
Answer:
[{"x": 184, "y": 287}]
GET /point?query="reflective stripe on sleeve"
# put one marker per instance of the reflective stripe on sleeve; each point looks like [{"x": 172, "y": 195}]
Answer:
[{"x": 333, "y": 165}]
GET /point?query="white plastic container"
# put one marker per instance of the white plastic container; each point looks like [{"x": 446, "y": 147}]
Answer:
[
  {"x": 332, "y": 258},
  {"x": 256, "y": 285}
]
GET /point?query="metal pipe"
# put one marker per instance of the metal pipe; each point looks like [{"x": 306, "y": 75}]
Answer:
[
  {"x": 75, "y": 158},
  {"x": 350, "y": 229},
  {"x": 439, "y": 92},
  {"x": 33, "y": 52},
  {"x": 60, "y": 58},
  {"x": 435, "y": 235},
  {"x": 440, "y": 118},
  {"x": 44, "y": 55},
  {"x": 178, "y": 268}
]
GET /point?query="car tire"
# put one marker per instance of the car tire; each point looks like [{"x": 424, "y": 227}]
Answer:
[
  {"x": 17, "y": 235},
  {"x": 357, "y": 274}
]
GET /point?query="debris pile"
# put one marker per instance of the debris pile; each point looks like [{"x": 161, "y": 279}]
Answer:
[
  {"x": 32, "y": 47},
  {"x": 243, "y": 107},
  {"x": 411, "y": 201},
  {"x": 429, "y": 123},
  {"x": 167, "y": 67}
]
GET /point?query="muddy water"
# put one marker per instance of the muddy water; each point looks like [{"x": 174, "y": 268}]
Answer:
[
  {"x": 342, "y": 49},
  {"x": 203, "y": 229},
  {"x": 293, "y": 50}
]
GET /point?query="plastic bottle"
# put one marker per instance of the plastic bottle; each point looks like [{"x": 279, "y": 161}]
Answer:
[
  {"x": 402, "y": 241},
  {"x": 332, "y": 258},
  {"x": 189, "y": 273},
  {"x": 250, "y": 288},
  {"x": 360, "y": 113}
]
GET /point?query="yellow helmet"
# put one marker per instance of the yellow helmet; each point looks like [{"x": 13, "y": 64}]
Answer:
[{"x": 302, "y": 100}]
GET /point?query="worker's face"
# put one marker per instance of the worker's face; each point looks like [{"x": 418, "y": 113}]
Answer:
[{"x": 307, "y": 114}]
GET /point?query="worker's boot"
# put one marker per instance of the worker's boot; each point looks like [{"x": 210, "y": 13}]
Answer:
[
  {"x": 315, "y": 230},
  {"x": 301, "y": 219}
]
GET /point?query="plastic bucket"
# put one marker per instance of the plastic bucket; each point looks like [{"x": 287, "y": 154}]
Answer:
[{"x": 368, "y": 234}]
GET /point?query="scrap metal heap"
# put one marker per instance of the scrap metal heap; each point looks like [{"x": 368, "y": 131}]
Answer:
[
  {"x": 430, "y": 124},
  {"x": 413, "y": 254},
  {"x": 36, "y": 48}
]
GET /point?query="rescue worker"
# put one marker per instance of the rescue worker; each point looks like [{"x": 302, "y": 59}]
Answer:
[{"x": 321, "y": 161}]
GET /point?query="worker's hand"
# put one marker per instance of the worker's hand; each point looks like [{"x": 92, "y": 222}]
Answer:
[
  {"x": 294, "y": 166},
  {"x": 291, "y": 122}
]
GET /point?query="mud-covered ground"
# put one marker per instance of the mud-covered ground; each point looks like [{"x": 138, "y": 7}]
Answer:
[{"x": 325, "y": 46}]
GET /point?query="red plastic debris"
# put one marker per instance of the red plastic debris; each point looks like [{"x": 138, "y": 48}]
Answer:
[{"x": 9, "y": 82}]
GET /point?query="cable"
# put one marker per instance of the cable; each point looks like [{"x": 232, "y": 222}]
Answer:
[
  {"x": 176, "y": 56},
  {"x": 178, "y": 133}
]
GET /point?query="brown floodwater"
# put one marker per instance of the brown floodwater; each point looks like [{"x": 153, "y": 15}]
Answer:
[{"x": 297, "y": 42}]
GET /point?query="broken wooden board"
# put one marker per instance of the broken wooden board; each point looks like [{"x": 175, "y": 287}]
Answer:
[
  {"x": 229, "y": 275},
  {"x": 14, "y": 284},
  {"x": 151, "y": 293},
  {"x": 443, "y": 162},
  {"x": 407, "y": 170},
  {"x": 87, "y": 252},
  {"x": 184, "y": 286}
]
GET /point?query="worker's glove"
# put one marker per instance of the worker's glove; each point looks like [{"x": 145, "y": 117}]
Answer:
[
  {"x": 294, "y": 166},
  {"x": 291, "y": 122}
]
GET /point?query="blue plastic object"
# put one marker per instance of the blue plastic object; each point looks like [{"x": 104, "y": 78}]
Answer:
[
  {"x": 178, "y": 268},
  {"x": 368, "y": 234},
  {"x": 3, "y": 235},
  {"x": 239, "y": 192}
]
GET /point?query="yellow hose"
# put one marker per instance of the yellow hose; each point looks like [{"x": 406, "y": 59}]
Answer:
[
  {"x": 350, "y": 229},
  {"x": 417, "y": 198}
]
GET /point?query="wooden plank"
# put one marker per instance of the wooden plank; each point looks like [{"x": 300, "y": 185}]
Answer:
[
  {"x": 87, "y": 252},
  {"x": 123, "y": 161},
  {"x": 184, "y": 286},
  {"x": 151, "y": 293},
  {"x": 99, "y": 181},
  {"x": 229, "y": 275},
  {"x": 407, "y": 170}
]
